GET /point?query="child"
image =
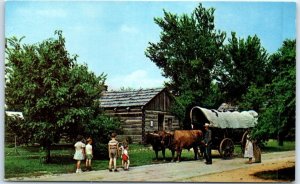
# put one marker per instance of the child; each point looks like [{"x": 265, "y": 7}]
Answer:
[
  {"x": 125, "y": 158},
  {"x": 113, "y": 149},
  {"x": 89, "y": 154},
  {"x": 122, "y": 151},
  {"x": 79, "y": 153}
]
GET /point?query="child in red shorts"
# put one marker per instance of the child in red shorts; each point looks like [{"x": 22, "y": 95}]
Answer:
[{"x": 125, "y": 158}]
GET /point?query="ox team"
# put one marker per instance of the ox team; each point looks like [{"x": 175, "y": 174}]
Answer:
[{"x": 182, "y": 139}]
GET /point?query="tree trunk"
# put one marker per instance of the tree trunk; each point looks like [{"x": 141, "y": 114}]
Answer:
[
  {"x": 48, "y": 155},
  {"x": 280, "y": 139}
]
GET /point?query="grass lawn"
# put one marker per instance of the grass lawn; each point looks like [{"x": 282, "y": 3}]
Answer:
[
  {"x": 29, "y": 161},
  {"x": 272, "y": 146}
]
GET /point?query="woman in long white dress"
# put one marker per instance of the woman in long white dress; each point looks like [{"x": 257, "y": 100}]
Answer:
[{"x": 249, "y": 150}]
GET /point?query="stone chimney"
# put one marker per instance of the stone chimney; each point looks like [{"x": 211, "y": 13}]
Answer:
[{"x": 105, "y": 87}]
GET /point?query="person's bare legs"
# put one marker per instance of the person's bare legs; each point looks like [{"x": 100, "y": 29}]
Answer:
[
  {"x": 110, "y": 164},
  {"x": 78, "y": 166},
  {"x": 115, "y": 164},
  {"x": 128, "y": 162}
]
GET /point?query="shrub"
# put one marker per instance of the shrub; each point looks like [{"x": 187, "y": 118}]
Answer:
[
  {"x": 100, "y": 151},
  {"x": 128, "y": 140},
  {"x": 100, "y": 130}
]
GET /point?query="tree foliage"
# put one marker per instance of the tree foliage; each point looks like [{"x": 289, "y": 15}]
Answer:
[
  {"x": 245, "y": 64},
  {"x": 56, "y": 95},
  {"x": 188, "y": 50},
  {"x": 100, "y": 129},
  {"x": 204, "y": 71},
  {"x": 276, "y": 100}
]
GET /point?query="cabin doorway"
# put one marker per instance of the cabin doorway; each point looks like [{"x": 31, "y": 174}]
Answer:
[{"x": 161, "y": 122}]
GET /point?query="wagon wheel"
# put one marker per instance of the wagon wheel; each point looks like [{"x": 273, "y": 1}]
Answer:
[
  {"x": 226, "y": 148},
  {"x": 243, "y": 141}
]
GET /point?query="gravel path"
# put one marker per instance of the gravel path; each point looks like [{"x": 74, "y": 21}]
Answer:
[{"x": 166, "y": 172}]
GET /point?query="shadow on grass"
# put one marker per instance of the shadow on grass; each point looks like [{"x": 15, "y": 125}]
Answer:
[
  {"x": 286, "y": 174},
  {"x": 61, "y": 159}
]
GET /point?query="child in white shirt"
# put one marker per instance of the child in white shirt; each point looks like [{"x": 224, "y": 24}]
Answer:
[{"x": 89, "y": 154}]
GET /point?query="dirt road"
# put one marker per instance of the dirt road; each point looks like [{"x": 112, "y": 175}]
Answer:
[{"x": 234, "y": 170}]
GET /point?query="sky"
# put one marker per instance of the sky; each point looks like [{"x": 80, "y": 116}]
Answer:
[{"x": 111, "y": 36}]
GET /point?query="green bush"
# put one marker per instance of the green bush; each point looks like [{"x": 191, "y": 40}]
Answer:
[
  {"x": 128, "y": 140},
  {"x": 100, "y": 130},
  {"x": 100, "y": 151}
]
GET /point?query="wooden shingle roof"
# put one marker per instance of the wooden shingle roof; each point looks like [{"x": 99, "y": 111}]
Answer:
[{"x": 112, "y": 99}]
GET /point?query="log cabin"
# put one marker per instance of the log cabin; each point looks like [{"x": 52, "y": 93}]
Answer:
[{"x": 140, "y": 111}]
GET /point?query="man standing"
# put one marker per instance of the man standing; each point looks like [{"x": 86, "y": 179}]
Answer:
[{"x": 207, "y": 144}]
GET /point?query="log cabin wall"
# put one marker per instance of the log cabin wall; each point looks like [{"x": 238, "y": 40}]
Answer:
[
  {"x": 131, "y": 123},
  {"x": 161, "y": 102},
  {"x": 157, "y": 114},
  {"x": 170, "y": 122}
]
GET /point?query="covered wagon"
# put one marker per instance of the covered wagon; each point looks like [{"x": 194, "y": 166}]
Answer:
[{"x": 228, "y": 128}]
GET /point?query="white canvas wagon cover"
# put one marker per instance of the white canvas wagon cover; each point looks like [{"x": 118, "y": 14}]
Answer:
[{"x": 217, "y": 119}]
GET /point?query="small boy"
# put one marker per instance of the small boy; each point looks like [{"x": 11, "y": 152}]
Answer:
[
  {"x": 89, "y": 154},
  {"x": 125, "y": 158},
  {"x": 113, "y": 152}
]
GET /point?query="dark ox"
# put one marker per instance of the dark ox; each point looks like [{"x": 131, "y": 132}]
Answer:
[
  {"x": 155, "y": 140},
  {"x": 182, "y": 139}
]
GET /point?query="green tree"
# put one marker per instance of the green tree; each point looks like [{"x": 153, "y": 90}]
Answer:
[
  {"x": 245, "y": 64},
  {"x": 56, "y": 95},
  {"x": 100, "y": 129},
  {"x": 187, "y": 53},
  {"x": 276, "y": 100}
]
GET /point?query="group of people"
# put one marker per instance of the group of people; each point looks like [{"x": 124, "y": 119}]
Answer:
[
  {"x": 84, "y": 151},
  {"x": 113, "y": 152}
]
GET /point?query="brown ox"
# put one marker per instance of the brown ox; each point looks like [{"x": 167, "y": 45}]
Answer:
[
  {"x": 182, "y": 139},
  {"x": 155, "y": 140}
]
